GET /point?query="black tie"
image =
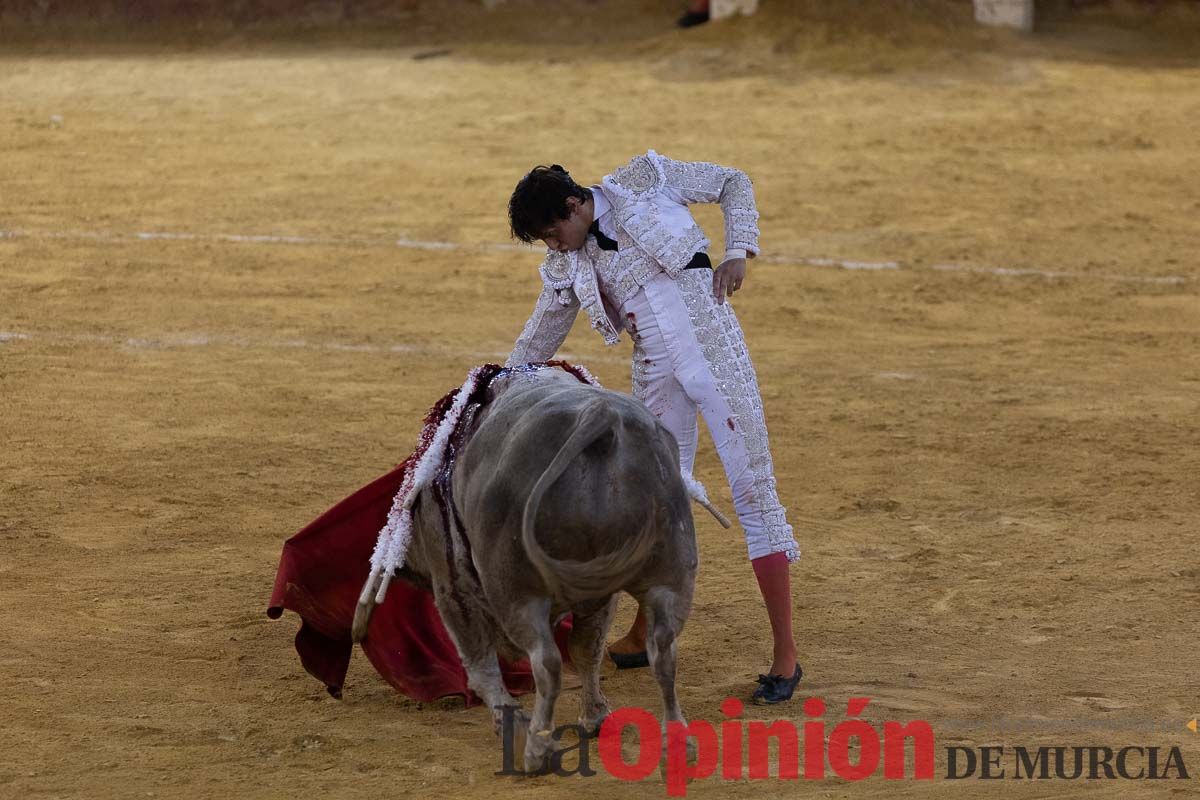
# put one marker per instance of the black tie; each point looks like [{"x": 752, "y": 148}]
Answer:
[{"x": 602, "y": 240}]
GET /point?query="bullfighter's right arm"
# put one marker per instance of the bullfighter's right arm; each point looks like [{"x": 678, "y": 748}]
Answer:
[{"x": 552, "y": 317}]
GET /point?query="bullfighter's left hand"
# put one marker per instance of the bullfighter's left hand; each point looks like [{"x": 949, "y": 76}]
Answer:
[{"x": 728, "y": 278}]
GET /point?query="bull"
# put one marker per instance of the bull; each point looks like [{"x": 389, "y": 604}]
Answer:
[{"x": 561, "y": 496}]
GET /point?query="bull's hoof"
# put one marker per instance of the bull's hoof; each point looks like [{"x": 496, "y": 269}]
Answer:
[
  {"x": 591, "y": 725},
  {"x": 538, "y": 747},
  {"x": 691, "y": 755}
]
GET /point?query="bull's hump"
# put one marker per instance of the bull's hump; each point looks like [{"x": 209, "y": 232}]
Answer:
[{"x": 558, "y": 397}]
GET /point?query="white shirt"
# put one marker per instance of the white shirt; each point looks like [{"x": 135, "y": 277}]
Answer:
[{"x": 600, "y": 209}]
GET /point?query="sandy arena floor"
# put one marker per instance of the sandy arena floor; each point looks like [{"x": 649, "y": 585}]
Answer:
[{"x": 993, "y": 473}]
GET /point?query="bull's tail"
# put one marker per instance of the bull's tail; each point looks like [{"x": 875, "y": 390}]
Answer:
[{"x": 601, "y": 576}]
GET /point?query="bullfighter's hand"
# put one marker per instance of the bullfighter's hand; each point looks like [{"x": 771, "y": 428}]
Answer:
[{"x": 728, "y": 278}]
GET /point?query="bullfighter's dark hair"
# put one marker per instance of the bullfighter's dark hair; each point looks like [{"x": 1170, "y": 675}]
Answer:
[{"x": 540, "y": 200}]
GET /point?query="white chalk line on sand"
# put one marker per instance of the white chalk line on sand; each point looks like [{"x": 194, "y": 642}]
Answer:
[
  {"x": 410, "y": 244},
  {"x": 245, "y": 238},
  {"x": 1038, "y": 273},
  {"x": 417, "y": 244},
  {"x": 184, "y": 341}
]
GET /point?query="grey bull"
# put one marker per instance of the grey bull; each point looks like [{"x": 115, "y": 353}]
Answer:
[{"x": 563, "y": 495}]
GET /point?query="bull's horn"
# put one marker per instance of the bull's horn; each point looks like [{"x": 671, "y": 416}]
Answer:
[
  {"x": 362, "y": 620},
  {"x": 369, "y": 586},
  {"x": 365, "y": 607},
  {"x": 384, "y": 583}
]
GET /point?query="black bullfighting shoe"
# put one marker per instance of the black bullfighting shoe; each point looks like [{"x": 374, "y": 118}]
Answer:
[
  {"x": 692, "y": 18},
  {"x": 776, "y": 688},
  {"x": 630, "y": 660}
]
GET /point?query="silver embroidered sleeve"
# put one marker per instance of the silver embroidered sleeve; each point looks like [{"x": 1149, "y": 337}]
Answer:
[
  {"x": 546, "y": 329},
  {"x": 702, "y": 182}
]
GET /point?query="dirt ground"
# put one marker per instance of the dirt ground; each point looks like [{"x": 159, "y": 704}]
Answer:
[{"x": 976, "y": 325}]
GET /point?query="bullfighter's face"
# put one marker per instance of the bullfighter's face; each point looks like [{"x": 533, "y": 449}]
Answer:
[{"x": 570, "y": 233}]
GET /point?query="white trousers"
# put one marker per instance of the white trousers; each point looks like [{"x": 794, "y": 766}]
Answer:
[{"x": 690, "y": 357}]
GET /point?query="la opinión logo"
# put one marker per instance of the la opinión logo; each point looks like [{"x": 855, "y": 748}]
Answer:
[
  {"x": 853, "y": 750},
  {"x": 801, "y": 750}
]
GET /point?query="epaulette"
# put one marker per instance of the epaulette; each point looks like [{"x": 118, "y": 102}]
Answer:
[
  {"x": 639, "y": 178},
  {"x": 557, "y": 270}
]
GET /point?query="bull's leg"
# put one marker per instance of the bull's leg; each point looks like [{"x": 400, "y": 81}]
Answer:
[
  {"x": 485, "y": 679},
  {"x": 665, "y": 621},
  {"x": 473, "y": 640},
  {"x": 667, "y": 609},
  {"x": 586, "y": 645},
  {"x": 528, "y": 625}
]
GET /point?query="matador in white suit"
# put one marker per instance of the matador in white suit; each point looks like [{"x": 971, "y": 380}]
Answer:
[{"x": 629, "y": 253}]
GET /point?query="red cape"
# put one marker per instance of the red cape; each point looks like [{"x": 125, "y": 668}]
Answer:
[{"x": 321, "y": 573}]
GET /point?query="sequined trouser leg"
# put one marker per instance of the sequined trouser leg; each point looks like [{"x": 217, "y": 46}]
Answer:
[{"x": 689, "y": 356}]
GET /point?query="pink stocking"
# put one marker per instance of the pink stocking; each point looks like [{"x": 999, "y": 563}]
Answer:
[{"x": 774, "y": 581}]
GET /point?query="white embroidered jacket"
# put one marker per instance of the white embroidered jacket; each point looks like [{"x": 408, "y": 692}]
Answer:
[{"x": 654, "y": 232}]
